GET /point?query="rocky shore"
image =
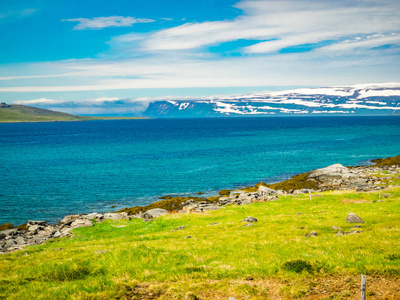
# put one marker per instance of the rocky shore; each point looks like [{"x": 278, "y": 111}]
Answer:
[{"x": 335, "y": 177}]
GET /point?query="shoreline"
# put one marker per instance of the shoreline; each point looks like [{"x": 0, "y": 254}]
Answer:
[{"x": 332, "y": 178}]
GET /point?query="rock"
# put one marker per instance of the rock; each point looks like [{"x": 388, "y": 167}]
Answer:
[
  {"x": 357, "y": 226},
  {"x": 188, "y": 237},
  {"x": 249, "y": 277},
  {"x": 57, "y": 234},
  {"x": 9, "y": 232},
  {"x": 67, "y": 220},
  {"x": 263, "y": 190},
  {"x": 312, "y": 233},
  {"x": 156, "y": 212},
  {"x": 353, "y": 218},
  {"x": 250, "y": 219},
  {"x": 215, "y": 223},
  {"x": 333, "y": 171},
  {"x": 353, "y": 232},
  {"x": 93, "y": 216},
  {"x": 249, "y": 224},
  {"x": 340, "y": 233},
  {"x": 10, "y": 243},
  {"x": 117, "y": 216},
  {"x": 181, "y": 227},
  {"x": 303, "y": 191},
  {"x": 211, "y": 207},
  {"x": 81, "y": 223},
  {"x": 336, "y": 228}
]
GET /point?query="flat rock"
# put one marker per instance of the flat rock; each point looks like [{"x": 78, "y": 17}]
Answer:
[
  {"x": 312, "y": 233},
  {"x": 156, "y": 212},
  {"x": 353, "y": 218},
  {"x": 116, "y": 216},
  {"x": 81, "y": 223},
  {"x": 250, "y": 219},
  {"x": 263, "y": 190}
]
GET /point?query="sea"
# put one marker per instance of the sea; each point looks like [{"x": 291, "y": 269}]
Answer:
[{"x": 53, "y": 169}]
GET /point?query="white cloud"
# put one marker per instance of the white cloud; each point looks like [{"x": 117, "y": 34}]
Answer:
[
  {"x": 103, "y": 22},
  {"x": 178, "y": 58},
  {"x": 283, "y": 24}
]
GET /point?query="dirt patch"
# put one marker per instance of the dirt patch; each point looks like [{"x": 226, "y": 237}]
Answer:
[
  {"x": 346, "y": 201},
  {"x": 329, "y": 287}
]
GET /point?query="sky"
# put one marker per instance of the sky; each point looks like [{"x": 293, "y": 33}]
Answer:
[{"x": 88, "y": 56}]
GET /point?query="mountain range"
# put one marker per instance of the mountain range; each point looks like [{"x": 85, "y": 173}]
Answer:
[{"x": 362, "y": 99}]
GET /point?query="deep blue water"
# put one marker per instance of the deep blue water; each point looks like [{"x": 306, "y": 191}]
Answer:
[{"x": 49, "y": 170}]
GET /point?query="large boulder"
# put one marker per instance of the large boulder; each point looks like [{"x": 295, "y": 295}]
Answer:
[
  {"x": 333, "y": 171},
  {"x": 353, "y": 218}
]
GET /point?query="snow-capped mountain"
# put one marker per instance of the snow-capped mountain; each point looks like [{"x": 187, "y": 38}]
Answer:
[{"x": 362, "y": 99}]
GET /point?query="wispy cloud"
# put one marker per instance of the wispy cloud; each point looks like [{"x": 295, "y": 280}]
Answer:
[
  {"x": 284, "y": 24},
  {"x": 104, "y": 22}
]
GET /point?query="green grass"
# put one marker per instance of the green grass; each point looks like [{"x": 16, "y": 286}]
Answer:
[
  {"x": 22, "y": 113},
  {"x": 215, "y": 256}
]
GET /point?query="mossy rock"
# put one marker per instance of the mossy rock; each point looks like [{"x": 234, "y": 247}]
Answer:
[
  {"x": 172, "y": 204},
  {"x": 389, "y": 161},
  {"x": 297, "y": 182},
  {"x": 23, "y": 227},
  {"x": 224, "y": 192},
  {"x": 250, "y": 189},
  {"x": 6, "y": 226},
  {"x": 260, "y": 184}
]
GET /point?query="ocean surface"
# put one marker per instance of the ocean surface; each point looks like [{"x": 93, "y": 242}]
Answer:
[{"x": 49, "y": 170}]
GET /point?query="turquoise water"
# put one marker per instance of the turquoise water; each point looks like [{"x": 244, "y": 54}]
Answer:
[{"x": 49, "y": 170}]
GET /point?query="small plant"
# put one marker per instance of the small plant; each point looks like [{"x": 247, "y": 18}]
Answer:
[
  {"x": 298, "y": 266},
  {"x": 392, "y": 256}
]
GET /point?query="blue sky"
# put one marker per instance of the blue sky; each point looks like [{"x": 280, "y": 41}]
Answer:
[{"x": 85, "y": 52}]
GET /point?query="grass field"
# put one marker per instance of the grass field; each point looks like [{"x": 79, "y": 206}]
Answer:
[
  {"x": 270, "y": 260},
  {"x": 22, "y": 113}
]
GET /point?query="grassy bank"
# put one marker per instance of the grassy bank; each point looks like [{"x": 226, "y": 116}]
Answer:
[{"x": 271, "y": 259}]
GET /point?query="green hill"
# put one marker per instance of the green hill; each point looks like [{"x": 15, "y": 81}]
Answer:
[{"x": 22, "y": 113}]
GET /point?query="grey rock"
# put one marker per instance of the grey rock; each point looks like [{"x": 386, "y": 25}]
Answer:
[
  {"x": 312, "y": 233},
  {"x": 116, "y": 216},
  {"x": 303, "y": 191},
  {"x": 353, "y": 232},
  {"x": 156, "y": 212},
  {"x": 81, "y": 223},
  {"x": 67, "y": 220},
  {"x": 353, "y": 218},
  {"x": 10, "y": 243},
  {"x": 340, "y": 233},
  {"x": 188, "y": 237},
  {"x": 181, "y": 227},
  {"x": 336, "y": 228},
  {"x": 212, "y": 224},
  {"x": 20, "y": 240},
  {"x": 263, "y": 190},
  {"x": 250, "y": 219},
  {"x": 4, "y": 234},
  {"x": 249, "y": 224},
  {"x": 211, "y": 207},
  {"x": 57, "y": 234}
]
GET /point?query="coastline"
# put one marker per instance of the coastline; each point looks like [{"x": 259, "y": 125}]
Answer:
[{"x": 331, "y": 178}]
